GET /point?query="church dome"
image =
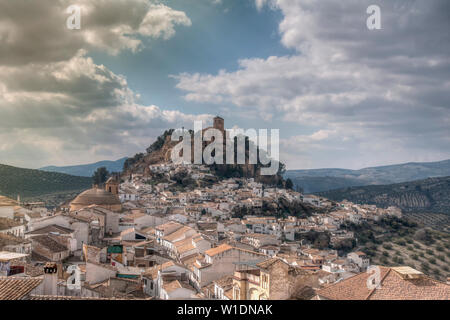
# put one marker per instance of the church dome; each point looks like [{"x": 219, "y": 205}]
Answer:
[{"x": 98, "y": 197}]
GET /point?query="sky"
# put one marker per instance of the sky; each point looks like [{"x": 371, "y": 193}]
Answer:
[{"x": 340, "y": 94}]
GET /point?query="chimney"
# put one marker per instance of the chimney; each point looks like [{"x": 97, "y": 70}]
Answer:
[{"x": 50, "y": 279}]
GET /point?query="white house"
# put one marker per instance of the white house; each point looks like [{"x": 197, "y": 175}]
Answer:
[{"x": 360, "y": 259}]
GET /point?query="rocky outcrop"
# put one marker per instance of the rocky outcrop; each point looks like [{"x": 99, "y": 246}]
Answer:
[{"x": 160, "y": 152}]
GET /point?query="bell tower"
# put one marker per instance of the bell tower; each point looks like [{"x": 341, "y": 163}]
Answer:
[{"x": 112, "y": 185}]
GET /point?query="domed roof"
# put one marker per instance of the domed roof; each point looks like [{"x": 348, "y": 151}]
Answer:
[{"x": 96, "y": 196}]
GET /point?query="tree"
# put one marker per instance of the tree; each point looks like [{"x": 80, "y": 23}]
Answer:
[
  {"x": 100, "y": 176},
  {"x": 289, "y": 184}
]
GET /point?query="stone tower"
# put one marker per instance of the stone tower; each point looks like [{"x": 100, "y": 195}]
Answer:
[
  {"x": 219, "y": 124},
  {"x": 112, "y": 185}
]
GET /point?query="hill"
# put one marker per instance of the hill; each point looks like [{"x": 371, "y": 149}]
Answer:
[
  {"x": 29, "y": 183},
  {"x": 160, "y": 152},
  {"x": 430, "y": 195},
  {"x": 87, "y": 170},
  {"x": 394, "y": 242},
  {"x": 319, "y": 180}
]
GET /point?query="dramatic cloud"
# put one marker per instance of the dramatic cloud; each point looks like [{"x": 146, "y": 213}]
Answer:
[
  {"x": 381, "y": 95},
  {"x": 36, "y": 32},
  {"x": 58, "y": 106}
]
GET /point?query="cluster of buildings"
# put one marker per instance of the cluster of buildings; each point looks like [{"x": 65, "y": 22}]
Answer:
[{"x": 140, "y": 239}]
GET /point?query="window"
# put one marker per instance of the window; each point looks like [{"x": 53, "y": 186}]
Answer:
[
  {"x": 236, "y": 294},
  {"x": 265, "y": 281}
]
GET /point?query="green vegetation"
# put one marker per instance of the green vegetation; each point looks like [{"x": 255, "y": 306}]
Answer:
[
  {"x": 289, "y": 184},
  {"x": 381, "y": 231},
  {"x": 159, "y": 143},
  {"x": 29, "y": 183},
  {"x": 317, "y": 180},
  {"x": 319, "y": 240},
  {"x": 411, "y": 250},
  {"x": 426, "y": 196},
  {"x": 131, "y": 161},
  {"x": 280, "y": 209},
  {"x": 100, "y": 175}
]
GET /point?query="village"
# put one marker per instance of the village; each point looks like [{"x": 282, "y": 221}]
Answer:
[{"x": 137, "y": 238}]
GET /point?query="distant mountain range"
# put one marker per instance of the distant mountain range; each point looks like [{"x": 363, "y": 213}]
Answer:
[
  {"x": 430, "y": 195},
  {"x": 87, "y": 170},
  {"x": 319, "y": 180},
  {"x": 30, "y": 183}
]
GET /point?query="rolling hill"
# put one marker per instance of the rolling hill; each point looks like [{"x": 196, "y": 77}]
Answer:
[
  {"x": 319, "y": 180},
  {"x": 430, "y": 195},
  {"x": 30, "y": 183},
  {"x": 87, "y": 170}
]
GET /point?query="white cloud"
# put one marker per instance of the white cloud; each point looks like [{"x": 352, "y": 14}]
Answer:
[
  {"x": 58, "y": 106},
  {"x": 36, "y": 32},
  {"x": 386, "y": 89}
]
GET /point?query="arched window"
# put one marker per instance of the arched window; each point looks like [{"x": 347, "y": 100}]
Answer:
[{"x": 236, "y": 293}]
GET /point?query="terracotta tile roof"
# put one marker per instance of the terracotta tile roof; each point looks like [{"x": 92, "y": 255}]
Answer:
[
  {"x": 51, "y": 228},
  {"x": 178, "y": 233},
  {"x": 185, "y": 247},
  {"x": 17, "y": 288},
  {"x": 148, "y": 230},
  {"x": 30, "y": 269},
  {"x": 225, "y": 282},
  {"x": 393, "y": 287},
  {"x": 169, "y": 225},
  {"x": 269, "y": 262},
  {"x": 174, "y": 285},
  {"x": 222, "y": 248},
  {"x": 153, "y": 271},
  {"x": 134, "y": 216},
  {"x": 8, "y": 240},
  {"x": 38, "y": 258},
  {"x": 183, "y": 242},
  {"x": 6, "y": 223},
  {"x": 7, "y": 202},
  {"x": 49, "y": 243},
  {"x": 190, "y": 260}
]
